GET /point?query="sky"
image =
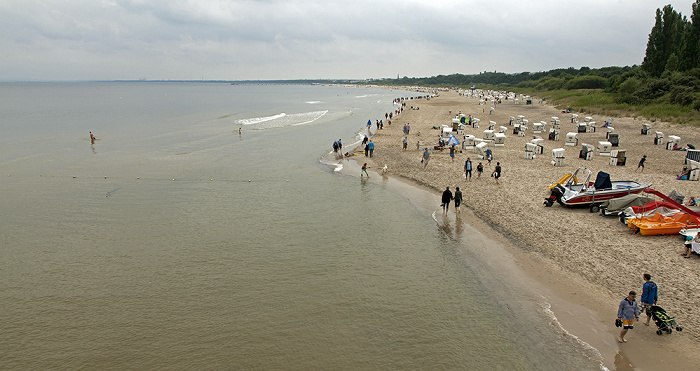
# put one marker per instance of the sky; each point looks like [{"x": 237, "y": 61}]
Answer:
[{"x": 68, "y": 40}]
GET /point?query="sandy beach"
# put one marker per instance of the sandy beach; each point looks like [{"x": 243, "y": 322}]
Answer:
[{"x": 587, "y": 259}]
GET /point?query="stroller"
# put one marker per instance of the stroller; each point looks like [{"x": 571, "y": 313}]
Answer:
[{"x": 664, "y": 323}]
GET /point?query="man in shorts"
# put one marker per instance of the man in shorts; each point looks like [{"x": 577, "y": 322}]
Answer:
[
  {"x": 627, "y": 312},
  {"x": 649, "y": 296},
  {"x": 458, "y": 200},
  {"x": 426, "y": 158},
  {"x": 497, "y": 172},
  {"x": 405, "y": 143}
]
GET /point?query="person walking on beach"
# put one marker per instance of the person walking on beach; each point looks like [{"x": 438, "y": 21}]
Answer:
[
  {"x": 497, "y": 172},
  {"x": 649, "y": 296},
  {"x": 446, "y": 199},
  {"x": 340, "y": 146},
  {"x": 371, "y": 148},
  {"x": 426, "y": 158},
  {"x": 408, "y": 128},
  {"x": 366, "y": 149},
  {"x": 627, "y": 312},
  {"x": 364, "y": 170},
  {"x": 641, "y": 164},
  {"x": 92, "y": 138},
  {"x": 405, "y": 143},
  {"x": 468, "y": 169},
  {"x": 458, "y": 200},
  {"x": 479, "y": 170},
  {"x": 452, "y": 152}
]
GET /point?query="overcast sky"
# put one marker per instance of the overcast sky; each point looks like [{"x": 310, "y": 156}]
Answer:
[{"x": 311, "y": 39}]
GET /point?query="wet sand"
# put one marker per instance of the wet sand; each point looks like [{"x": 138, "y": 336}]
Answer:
[{"x": 582, "y": 260}]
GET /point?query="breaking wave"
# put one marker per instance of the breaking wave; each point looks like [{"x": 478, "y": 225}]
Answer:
[{"x": 282, "y": 120}]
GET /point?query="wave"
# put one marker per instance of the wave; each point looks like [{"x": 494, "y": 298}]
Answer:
[
  {"x": 257, "y": 120},
  {"x": 313, "y": 102},
  {"x": 282, "y": 120},
  {"x": 590, "y": 351}
]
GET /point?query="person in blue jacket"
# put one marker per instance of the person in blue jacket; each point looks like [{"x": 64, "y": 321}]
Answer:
[
  {"x": 627, "y": 312},
  {"x": 649, "y": 296}
]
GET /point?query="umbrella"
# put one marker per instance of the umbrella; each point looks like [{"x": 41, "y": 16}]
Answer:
[{"x": 452, "y": 141}]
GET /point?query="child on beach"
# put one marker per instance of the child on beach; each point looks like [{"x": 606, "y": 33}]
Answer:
[
  {"x": 364, "y": 170},
  {"x": 479, "y": 170},
  {"x": 641, "y": 164}
]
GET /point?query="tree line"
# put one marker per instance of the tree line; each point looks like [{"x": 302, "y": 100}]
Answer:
[{"x": 669, "y": 74}]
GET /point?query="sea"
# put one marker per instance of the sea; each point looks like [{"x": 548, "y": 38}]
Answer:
[{"x": 173, "y": 241}]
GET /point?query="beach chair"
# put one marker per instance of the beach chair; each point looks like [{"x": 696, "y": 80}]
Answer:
[
  {"x": 530, "y": 149},
  {"x": 646, "y": 129},
  {"x": 694, "y": 167},
  {"x": 538, "y": 142},
  {"x": 614, "y": 139},
  {"x": 468, "y": 142},
  {"x": 480, "y": 149},
  {"x": 502, "y": 129},
  {"x": 574, "y": 118},
  {"x": 558, "y": 157},
  {"x": 553, "y": 134},
  {"x": 586, "y": 152},
  {"x": 489, "y": 135},
  {"x": 604, "y": 148},
  {"x": 499, "y": 140},
  {"x": 537, "y": 127},
  {"x": 659, "y": 138},
  {"x": 673, "y": 142},
  {"x": 571, "y": 139},
  {"x": 582, "y": 127},
  {"x": 618, "y": 157},
  {"x": 591, "y": 127}
]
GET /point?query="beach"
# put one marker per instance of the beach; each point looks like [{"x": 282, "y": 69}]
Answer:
[{"x": 582, "y": 257}]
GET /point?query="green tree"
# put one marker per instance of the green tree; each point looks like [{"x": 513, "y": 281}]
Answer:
[
  {"x": 690, "y": 44},
  {"x": 672, "y": 63},
  {"x": 664, "y": 39}
]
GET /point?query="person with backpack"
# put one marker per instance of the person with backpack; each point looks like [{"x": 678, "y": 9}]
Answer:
[{"x": 649, "y": 296}]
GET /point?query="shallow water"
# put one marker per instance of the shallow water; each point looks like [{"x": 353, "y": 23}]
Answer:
[{"x": 174, "y": 242}]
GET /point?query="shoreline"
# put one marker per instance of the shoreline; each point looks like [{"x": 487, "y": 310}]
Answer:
[{"x": 570, "y": 261}]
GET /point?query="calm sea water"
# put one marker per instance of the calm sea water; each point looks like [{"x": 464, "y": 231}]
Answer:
[{"x": 173, "y": 242}]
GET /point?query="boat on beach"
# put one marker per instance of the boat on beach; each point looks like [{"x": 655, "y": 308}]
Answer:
[{"x": 577, "y": 189}]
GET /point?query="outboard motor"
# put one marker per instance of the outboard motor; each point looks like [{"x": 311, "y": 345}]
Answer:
[{"x": 557, "y": 193}]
